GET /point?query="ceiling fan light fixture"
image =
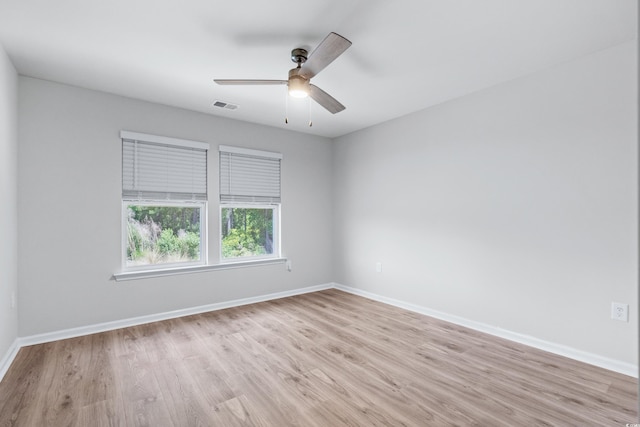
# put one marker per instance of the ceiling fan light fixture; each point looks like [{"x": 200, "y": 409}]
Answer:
[{"x": 298, "y": 87}]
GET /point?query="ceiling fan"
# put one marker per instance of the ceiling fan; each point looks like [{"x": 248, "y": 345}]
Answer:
[{"x": 308, "y": 66}]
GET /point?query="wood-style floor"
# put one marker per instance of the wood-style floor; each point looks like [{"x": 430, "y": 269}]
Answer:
[{"x": 322, "y": 359}]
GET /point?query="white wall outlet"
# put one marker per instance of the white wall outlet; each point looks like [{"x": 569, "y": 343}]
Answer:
[
  {"x": 14, "y": 299},
  {"x": 620, "y": 311},
  {"x": 289, "y": 265},
  {"x": 378, "y": 267}
]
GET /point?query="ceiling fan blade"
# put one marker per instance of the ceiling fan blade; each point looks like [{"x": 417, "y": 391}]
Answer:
[
  {"x": 323, "y": 98},
  {"x": 249, "y": 82},
  {"x": 327, "y": 51}
]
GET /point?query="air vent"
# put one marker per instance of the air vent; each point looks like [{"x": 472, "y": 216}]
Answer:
[{"x": 225, "y": 105}]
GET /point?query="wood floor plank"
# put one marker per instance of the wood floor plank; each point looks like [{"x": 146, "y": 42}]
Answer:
[
  {"x": 239, "y": 412},
  {"x": 104, "y": 413},
  {"x": 65, "y": 383},
  {"x": 184, "y": 401},
  {"x": 137, "y": 380},
  {"x": 263, "y": 391},
  {"x": 322, "y": 359},
  {"x": 206, "y": 376},
  {"x": 18, "y": 401}
]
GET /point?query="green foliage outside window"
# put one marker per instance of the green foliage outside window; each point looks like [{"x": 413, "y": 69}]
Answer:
[
  {"x": 247, "y": 232},
  {"x": 162, "y": 234}
]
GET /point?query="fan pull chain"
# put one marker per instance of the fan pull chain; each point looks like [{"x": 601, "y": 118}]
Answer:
[
  {"x": 309, "y": 105},
  {"x": 286, "y": 107}
]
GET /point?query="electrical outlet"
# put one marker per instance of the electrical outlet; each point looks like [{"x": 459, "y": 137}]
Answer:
[
  {"x": 378, "y": 267},
  {"x": 14, "y": 301},
  {"x": 620, "y": 311},
  {"x": 289, "y": 265}
]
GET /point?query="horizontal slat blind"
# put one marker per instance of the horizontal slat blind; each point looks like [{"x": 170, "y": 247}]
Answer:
[
  {"x": 249, "y": 176},
  {"x": 163, "y": 171}
]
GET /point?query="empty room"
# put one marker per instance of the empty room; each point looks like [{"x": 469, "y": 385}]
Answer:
[{"x": 324, "y": 213}]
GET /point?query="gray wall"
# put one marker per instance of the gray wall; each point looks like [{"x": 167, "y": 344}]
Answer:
[
  {"x": 70, "y": 209},
  {"x": 515, "y": 207},
  {"x": 9, "y": 202}
]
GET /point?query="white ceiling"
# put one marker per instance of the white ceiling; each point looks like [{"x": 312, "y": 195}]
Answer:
[{"x": 406, "y": 55}]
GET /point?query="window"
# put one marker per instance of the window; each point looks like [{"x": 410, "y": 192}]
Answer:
[
  {"x": 164, "y": 201},
  {"x": 249, "y": 204}
]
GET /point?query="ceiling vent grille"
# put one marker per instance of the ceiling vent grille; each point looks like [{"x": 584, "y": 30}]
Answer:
[{"x": 225, "y": 105}]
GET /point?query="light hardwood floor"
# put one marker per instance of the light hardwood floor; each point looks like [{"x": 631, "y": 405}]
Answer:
[{"x": 322, "y": 359}]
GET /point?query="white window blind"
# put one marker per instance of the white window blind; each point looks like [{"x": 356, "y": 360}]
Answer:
[
  {"x": 249, "y": 175},
  {"x": 161, "y": 168}
]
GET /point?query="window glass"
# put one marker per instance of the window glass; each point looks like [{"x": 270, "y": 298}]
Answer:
[
  {"x": 249, "y": 232},
  {"x": 163, "y": 234}
]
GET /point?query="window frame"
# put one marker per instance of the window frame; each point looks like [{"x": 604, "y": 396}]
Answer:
[
  {"x": 202, "y": 204},
  {"x": 277, "y": 250}
]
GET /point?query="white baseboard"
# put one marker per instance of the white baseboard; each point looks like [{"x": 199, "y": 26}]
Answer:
[
  {"x": 134, "y": 321},
  {"x": 572, "y": 353},
  {"x": 7, "y": 360}
]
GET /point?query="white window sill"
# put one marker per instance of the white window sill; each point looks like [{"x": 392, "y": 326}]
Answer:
[{"x": 145, "y": 274}]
